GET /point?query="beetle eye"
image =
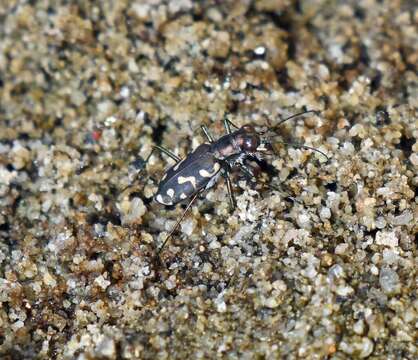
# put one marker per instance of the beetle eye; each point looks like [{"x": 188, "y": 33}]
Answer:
[{"x": 251, "y": 143}]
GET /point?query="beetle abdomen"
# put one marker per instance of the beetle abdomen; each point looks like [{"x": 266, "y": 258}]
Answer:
[{"x": 188, "y": 176}]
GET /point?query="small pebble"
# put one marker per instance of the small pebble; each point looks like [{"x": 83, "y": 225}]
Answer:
[{"x": 389, "y": 281}]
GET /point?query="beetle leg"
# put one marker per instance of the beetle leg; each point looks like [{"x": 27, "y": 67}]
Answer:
[
  {"x": 231, "y": 196},
  {"x": 164, "y": 151},
  {"x": 225, "y": 173},
  {"x": 139, "y": 164},
  {"x": 178, "y": 221},
  {"x": 227, "y": 125},
  {"x": 248, "y": 172},
  {"x": 238, "y": 160},
  {"x": 207, "y": 133}
]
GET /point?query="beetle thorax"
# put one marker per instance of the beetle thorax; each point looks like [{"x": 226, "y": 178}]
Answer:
[
  {"x": 243, "y": 141},
  {"x": 226, "y": 146}
]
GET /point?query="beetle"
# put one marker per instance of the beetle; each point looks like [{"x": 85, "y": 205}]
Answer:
[{"x": 201, "y": 169}]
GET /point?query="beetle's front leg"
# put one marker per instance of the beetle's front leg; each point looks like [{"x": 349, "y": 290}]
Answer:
[{"x": 250, "y": 172}]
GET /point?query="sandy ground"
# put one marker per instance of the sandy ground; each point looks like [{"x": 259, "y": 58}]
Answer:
[{"x": 318, "y": 260}]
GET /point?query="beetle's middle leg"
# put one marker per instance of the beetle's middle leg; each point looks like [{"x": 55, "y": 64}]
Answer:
[{"x": 225, "y": 172}]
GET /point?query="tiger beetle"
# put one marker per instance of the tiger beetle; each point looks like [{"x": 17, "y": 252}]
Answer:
[{"x": 199, "y": 170}]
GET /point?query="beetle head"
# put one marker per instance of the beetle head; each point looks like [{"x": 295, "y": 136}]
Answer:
[{"x": 248, "y": 139}]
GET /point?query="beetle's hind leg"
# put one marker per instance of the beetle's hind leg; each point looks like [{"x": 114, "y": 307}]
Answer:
[
  {"x": 170, "y": 235},
  {"x": 164, "y": 151},
  {"x": 138, "y": 165}
]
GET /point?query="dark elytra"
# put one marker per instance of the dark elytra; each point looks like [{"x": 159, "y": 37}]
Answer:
[{"x": 188, "y": 176}]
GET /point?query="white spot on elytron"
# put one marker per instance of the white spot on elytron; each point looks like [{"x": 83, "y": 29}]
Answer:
[
  {"x": 183, "y": 196},
  {"x": 170, "y": 192},
  {"x": 207, "y": 174},
  {"x": 160, "y": 199},
  {"x": 163, "y": 178},
  {"x": 191, "y": 179},
  {"x": 204, "y": 173}
]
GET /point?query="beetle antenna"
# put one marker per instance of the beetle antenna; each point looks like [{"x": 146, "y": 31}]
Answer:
[
  {"x": 299, "y": 145},
  {"x": 307, "y": 147},
  {"x": 178, "y": 222},
  {"x": 303, "y": 147},
  {"x": 296, "y": 115}
]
